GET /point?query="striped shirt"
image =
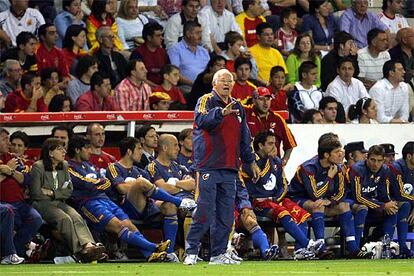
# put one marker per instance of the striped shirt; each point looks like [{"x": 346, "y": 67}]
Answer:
[
  {"x": 371, "y": 67},
  {"x": 132, "y": 97}
]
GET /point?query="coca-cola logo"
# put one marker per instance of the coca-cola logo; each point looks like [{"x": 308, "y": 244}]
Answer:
[
  {"x": 172, "y": 115},
  {"x": 110, "y": 117},
  {"x": 78, "y": 116},
  {"x": 147, "y": 116},
  {"x": 44, "y": 117},
  {"x": 9, "y": 117}
]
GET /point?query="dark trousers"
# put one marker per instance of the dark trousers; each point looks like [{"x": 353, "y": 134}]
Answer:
[{"x": 6, "y": 230}]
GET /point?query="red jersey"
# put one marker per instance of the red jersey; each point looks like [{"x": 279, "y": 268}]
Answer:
[
  {"x": 90, "y": 102},
  {"x": 70, "y": 56},
  {"x": 53, "y": 58},
  {"x": 17, "y": 102},
  {"x": 248, "y": 26},
  {"x": 175, "y": 93},
  {"x": 101, "y": 161},
  {"x": 11, "y": 190},
  {"x": 279, "y": 99},
  {"x": 286, "y": 41},
  {"x": 230, "y": 65},
  {"x": 273, "y": 122},
  {"x": 243, "y": 92},
  {"x": 153, "y": 61}
]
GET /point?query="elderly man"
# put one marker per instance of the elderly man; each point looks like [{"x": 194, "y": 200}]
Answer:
[
  {"x": 357, "y": 21},
  {"x": 216, "y": 162},
  {"x": 12, "y": 72},
  {"x": 391, "y": 94}
]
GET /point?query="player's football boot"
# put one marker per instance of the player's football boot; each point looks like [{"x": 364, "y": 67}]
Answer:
[
  {"x": 163, "y": 246},
  {"x": 157, "y": 257},
  {"x": 303, "y": 254},
  {"x": 271, "y": 253},
  {"x": 187, "y": 204}
]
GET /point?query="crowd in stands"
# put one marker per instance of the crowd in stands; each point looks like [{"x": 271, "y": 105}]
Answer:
[{"x": 161, "y": 55}]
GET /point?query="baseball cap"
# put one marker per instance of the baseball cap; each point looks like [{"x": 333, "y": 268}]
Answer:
[
  {"x": 262, "y": 92},
  {"x": 159, "y": 96},
  {"x": 388, "y": 148},
  {"x": 354, "y": 146}
]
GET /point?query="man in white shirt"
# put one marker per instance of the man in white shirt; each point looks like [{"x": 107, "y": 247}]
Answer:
[
  {"x": 221, "y": 21},
  {"x": 391, "y": 15},
  {"x": 391, "y": 94},
  {"x": 372, "y": 58},
  {"x": 344, "y": 88},
  {"x": 173, "y": 31},
  {"x": 20, "y": 18}
]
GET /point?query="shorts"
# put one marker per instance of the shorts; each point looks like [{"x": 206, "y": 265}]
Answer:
[
  {"x": 151, "y": 210},
  {"x": 279, "y": 210}
]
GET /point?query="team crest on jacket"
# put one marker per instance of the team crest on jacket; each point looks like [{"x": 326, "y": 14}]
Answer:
[
  {"x": 377, "y": 179},
  {"x": 205, "y": 176},
  {"x": 271, "y": 183},
  {"x": 408, "y": 188}
]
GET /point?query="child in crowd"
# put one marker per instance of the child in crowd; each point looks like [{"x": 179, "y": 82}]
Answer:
[
  {"x": 171, "y": 74},
  {"x": 287, "y": 34},
  {"x": 278, "y": 88}
]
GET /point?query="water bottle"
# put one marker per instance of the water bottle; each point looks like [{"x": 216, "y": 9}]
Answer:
[{"x": 386, "y": 250}]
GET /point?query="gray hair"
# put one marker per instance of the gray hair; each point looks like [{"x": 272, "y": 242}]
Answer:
[
  {"x": 8, "y": 64},
  {"x": 220, "y": 73},
  {"x": 100, "y": 32}
]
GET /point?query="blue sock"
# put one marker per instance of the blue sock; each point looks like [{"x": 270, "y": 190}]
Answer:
[
  {"x": 137, "y": 239},
  {"x": 160, "y": 194},
  {"x": 318, "y": 225},
  {"x": 359, "y": 222},
  {"x": 292, "y": 228},
  {"x": 170, "y": 231},
  {"x": 348, "y": 230},
  {"x": 259, "y": 239},
  {"x": 304, "y": 229},
  {"x": 402, "y": 224},
  {"x": 390, "y": 222}
]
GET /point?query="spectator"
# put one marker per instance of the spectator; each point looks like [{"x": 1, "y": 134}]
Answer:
[
  {"x": 358, "y": 21},
  {"x": 149, "y": 141},
  {"x": 13, "y": 181},
  {"x": 48, "y": 55},
  {"x": 304, "y": 51},
  {"x": 287, "y": 34},
  {"x": 391, "y": 94},
  {"x": 130, "y": 24},
  {"x": 110, "y": 62},
  {"x": 372, "y": 58},
  {"x": 99, "y": 98},
  {"x": 404, "y": 52},
  {"x": 19, "y": 143},
  {"x": 46, "y": 8},
  {"x": 132, "y": 93},
  {"x": 99, "y": 158},
  {"x": 344, "y": 47},
  {"x": 391, "y": 15},
  {"x": 50, "y": 82},
  {"x": 7, "y": 233},
  {"x": 152, "y": 53},
  {"x": 260, "y": 118},
  {"x": 102, "y": 15},
  {"x": 389, "y": 153},
  {"x": 188, "y": 55},
  {"x": 60, "y": 103},
  {"x": 12, "y": 73},
  {"x": 170, "y": 7},
  {"x": 354, "y": 152},
  {"x": 344, "y": 88},
  {"x": 321, "y": 24},
  {"x": 312, "y": 116},
  {"x": 171, "y": 74},
  {"x": 234, "y": 48},
  {"x": 328, "y": 106},
  {"x": 265, "y": 55},
  {"x": 249, "y": 20},
  {"x": 71, "y": 15},
  {"x": 2, "y": 101},
  {"x": 174, "y": 30},
  {"x": 160, "y": 101},
  {"x": 221, "y": 21},
  {"x": 363, "y": 112},
  {"x": 185, "y": 138},
  {"x": 202, "y": 84},
  {"x": 50, "y": 190},
  {"x": 243, "y": 89},
  {"x": 305, "y": 94},
  {"x": 27, "y": 99},
  {"x": 85, "y": 68},
  {"x": 153, "y": 10},
  {"x": 24, "y": 52},
  {"x": 62, "y": 132},
  {"x": 278, "y": 88},
  {"x": 73, "y": 45},
  {"x": 20, "y": 18}
]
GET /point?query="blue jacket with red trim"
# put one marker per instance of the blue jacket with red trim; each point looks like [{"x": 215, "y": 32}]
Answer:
[
  {"x": 402, "y": 181},
  {"x": 220, "y": 141}
]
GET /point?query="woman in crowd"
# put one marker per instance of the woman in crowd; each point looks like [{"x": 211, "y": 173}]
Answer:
[
  {"x": 304, "y": 51},
  {"x": 321, "y": 24},
  {"x": 130, "y": 24},
  {"x": 73, "y": 45},
  {"x": 71, "y": 14},
  {"x": 60, "y": 103},
  {"x": 50, "y": 83},
  {"x": 363, "y": 112},
  {"x": 51, "y": 186}
]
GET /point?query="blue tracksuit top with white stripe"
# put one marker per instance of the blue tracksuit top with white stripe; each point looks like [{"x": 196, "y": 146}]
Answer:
[
  {"x": 402, "y": 181},
  {"x": 220, "y": 141}
]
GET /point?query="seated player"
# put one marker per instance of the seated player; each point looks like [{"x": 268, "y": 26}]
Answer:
[
  {"x": 268, "y": 195},
  {"x": 173, "y": 178},
  {"x": 96, "y": 207},
  {"x": 135, "y": 194},
  {"x": 318, "y": 187},
  {"x": 185, "y": 138}
]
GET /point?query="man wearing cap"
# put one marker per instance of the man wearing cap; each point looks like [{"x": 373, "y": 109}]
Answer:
[
  {"x": 160, "y": 101},
  {"x": 389, "y": 150},
  {"x": 260, "y": 118},
  {"x": 354, "y": 152}
]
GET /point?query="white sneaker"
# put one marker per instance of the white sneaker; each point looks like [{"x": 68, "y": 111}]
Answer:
[
  {"x": 303, "y": 254},
  {"x": 223, "y": 259},
  {"x": 232, "y": 253},
  {"x": 190, "y": 259},
  {"x": 319, "y": 245},
  {"x": 172, "y": 258},
  {"x": 12, "y": 259},
  {"x": 188, "y": 204}
]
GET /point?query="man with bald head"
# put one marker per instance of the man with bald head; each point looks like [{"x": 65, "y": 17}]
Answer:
[
  {"x": 221, "y": 137},
  {"x": 167, "y": 174},
  {"x": 404, "y": 51}
]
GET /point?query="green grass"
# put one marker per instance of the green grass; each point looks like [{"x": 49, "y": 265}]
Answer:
[{"x": 341, "y": 267}]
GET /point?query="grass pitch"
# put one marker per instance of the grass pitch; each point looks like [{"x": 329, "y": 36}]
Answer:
[{"x": 340, "y": 267}]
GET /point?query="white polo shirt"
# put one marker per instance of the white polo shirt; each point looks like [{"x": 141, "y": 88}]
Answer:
[
  {"x": 371, "y": 67},
  {"x": 394, "y": 24}
]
